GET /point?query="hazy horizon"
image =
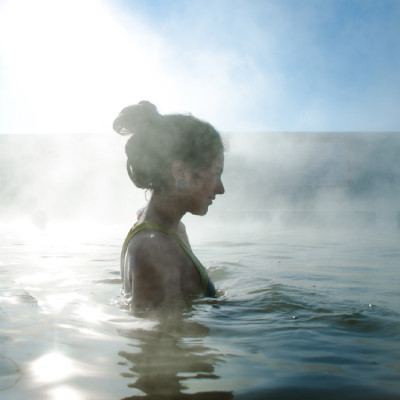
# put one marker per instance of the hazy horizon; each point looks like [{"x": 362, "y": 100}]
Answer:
[{"x": 310, "y": 180}]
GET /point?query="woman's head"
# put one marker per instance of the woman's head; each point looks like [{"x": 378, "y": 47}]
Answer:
[{"x": 159, "y": 140}]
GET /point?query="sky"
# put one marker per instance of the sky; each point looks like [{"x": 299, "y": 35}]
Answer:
[{"x": 70, "y": 66}]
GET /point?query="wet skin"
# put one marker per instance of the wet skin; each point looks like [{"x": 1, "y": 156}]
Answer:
[{"x": 156, "y": 268}]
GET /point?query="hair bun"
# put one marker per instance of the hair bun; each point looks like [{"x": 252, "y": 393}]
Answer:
[{"x": 135, "y": 118}]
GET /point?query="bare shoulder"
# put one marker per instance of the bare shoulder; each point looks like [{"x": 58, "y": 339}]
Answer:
[
  {"x": 153, "y": 246},
  {"x": 155, "y": 263}
]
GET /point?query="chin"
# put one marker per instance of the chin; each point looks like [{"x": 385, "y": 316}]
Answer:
[{"x": 200, "y": 212}]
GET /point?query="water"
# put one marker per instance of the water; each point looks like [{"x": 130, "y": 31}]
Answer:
[{"x": 301, "y": 317}]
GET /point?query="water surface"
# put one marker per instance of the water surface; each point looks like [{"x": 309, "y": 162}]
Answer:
[{"x": 300, "y": 317}]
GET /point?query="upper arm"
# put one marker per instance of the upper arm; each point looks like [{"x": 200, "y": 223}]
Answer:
[{"x": 155, "y": 261}]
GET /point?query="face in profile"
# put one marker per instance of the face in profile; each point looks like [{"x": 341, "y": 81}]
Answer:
[{"x": 204, "y": 185}]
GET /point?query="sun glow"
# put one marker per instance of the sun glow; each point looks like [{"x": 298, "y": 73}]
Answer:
[{"x": 72, "y": 65}]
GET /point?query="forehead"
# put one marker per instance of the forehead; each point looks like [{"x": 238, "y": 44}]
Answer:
[{"x": 218, "y": 162}]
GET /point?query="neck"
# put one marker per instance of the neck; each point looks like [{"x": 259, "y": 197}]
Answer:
[{"x": 164, "y": 210}]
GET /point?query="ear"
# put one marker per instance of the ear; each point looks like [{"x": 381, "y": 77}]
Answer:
[{"x": 178, "y": 170}]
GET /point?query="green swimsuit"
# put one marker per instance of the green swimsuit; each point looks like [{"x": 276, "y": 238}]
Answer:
[{"x": 207, "y": 287}]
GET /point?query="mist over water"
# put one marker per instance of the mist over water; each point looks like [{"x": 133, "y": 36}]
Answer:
[
  {"x": 321, "y": 182},
  {"x": 63, "y": 178},
  {"x": 324, "y": 182}
]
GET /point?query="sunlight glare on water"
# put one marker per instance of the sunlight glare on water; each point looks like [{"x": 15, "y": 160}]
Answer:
[
  {"x": 53, "y": 367},
  {"x": 65, "y": 393},
  {"x": 59, "y": 301},
  {"x": 90, "y": 314}
]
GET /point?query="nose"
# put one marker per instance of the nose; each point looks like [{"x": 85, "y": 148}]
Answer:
[{"x": 220, "y": 187}]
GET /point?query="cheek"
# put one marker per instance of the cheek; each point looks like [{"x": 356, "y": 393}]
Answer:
[
  {"x": 207, "y": 186},
  {"x": 201, "y": 184}
]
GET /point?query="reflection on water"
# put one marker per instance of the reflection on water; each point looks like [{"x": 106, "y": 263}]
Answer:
[{"x": 167, "y": 356}]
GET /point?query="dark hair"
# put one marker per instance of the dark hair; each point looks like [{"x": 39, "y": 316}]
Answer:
[{"x": 157, "y": 140}]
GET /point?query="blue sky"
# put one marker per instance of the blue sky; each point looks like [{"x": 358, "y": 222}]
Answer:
[{"x": 244, "y": 65}]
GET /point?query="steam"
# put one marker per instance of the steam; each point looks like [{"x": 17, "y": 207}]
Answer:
[
  {"x": 316, "y": 182},
  {"x": 328, "y": 184},
  {"x": 77, "y": 179}
]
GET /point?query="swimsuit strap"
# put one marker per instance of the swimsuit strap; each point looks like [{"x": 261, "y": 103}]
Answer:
[{"x": 206, "y": 285}]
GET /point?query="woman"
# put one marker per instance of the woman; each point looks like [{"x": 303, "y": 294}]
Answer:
[{"x": 180, "y": 159}]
